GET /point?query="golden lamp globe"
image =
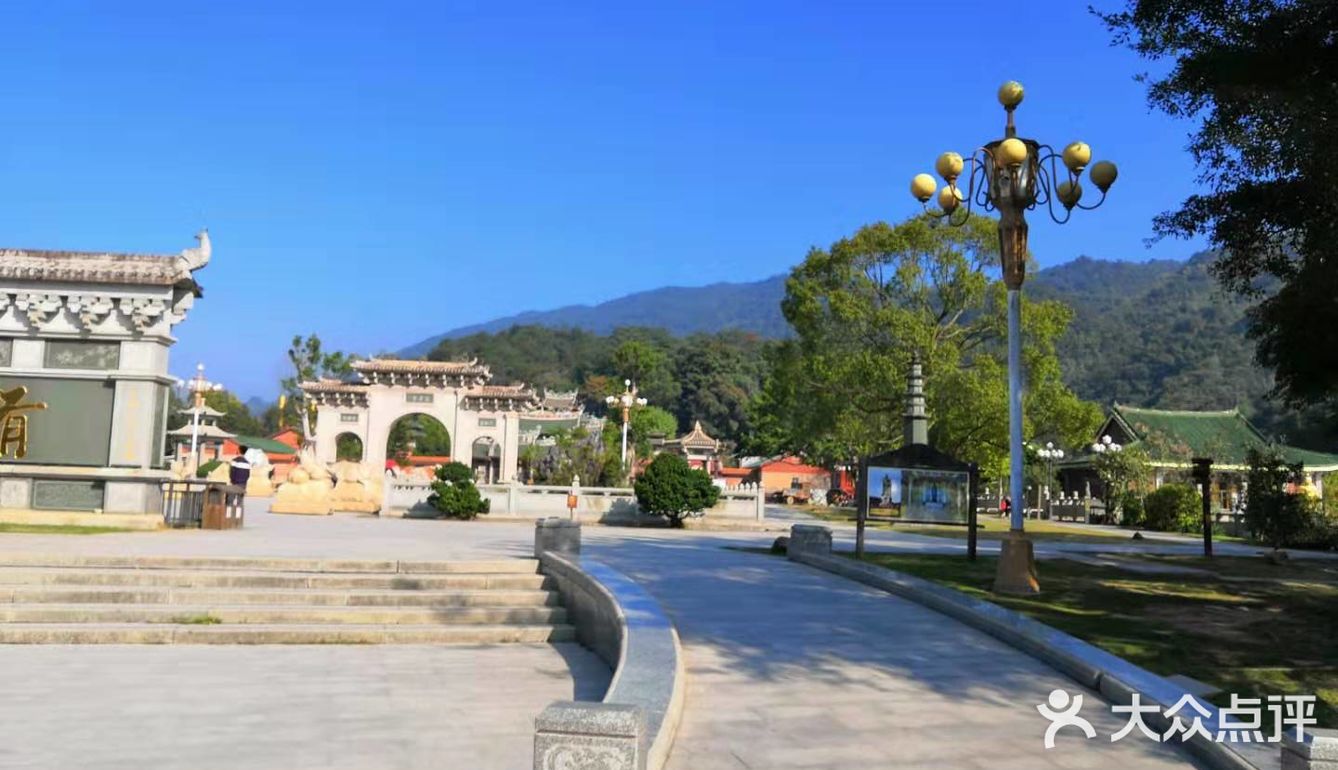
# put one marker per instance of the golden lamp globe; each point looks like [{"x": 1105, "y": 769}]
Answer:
[
  {"x": 949, "y": 198},
  {"x": 1011, "y": 152},
  {"x": 923, "y": 186},
  {"x": 1076, "y": 156},
  {"x": 949, "y": 165},
  {"x": 1010, "y": 94},
  {"x": 1103, "y": 174}
]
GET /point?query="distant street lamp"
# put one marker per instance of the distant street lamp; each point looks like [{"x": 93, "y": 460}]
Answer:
[
  {"x": 627, "y": 400},
  {"x": 1106, "y": 445},
  {"x": 198, "y": 386},
  {"x": 1050, "y": 455},
  {"x": 1009, "y": 175}
]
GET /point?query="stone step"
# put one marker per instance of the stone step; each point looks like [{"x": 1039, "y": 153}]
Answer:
[
  {"x": 145, "y": 633},
  {"x": 265, "y": 615},
  {"x": 267, "y": 564},
  {"x": 94, "y": 576},
  {"x": 161, "y": 595}
]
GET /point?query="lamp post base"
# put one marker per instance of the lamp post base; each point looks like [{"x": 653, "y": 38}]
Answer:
[{"x": 1017, "y": 566}]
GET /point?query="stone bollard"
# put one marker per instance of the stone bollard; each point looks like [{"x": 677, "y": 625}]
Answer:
[
  {"x": 557, "y": 535},
  {"x": 1319, "y": 751},
  {"x": 809, "y": 539},
  {"x": 589, "y": 736}
]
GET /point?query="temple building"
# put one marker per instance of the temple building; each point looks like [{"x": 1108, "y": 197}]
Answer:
[
  {"x": 558, "y": 410},
  {"x": 1172, "y": 438},
  {"x": 484, "y": 420},
  {"x": 84, "y": 340},
  {"x": 698, "y": 448}
]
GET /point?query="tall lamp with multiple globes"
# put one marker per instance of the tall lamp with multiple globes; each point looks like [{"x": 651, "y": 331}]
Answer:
[
  {"x": 1012, "y": 176},
  {"x": 626, "y": 401}
]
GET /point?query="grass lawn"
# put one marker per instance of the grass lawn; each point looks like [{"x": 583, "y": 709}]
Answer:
[
  {"x": 1251, "y": 627},
  {"x": 56, "y": 529}
]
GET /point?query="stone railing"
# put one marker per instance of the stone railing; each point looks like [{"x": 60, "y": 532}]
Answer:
[
  {"x": 633, "y": 727},
  {"x": 592, "y": 503}
]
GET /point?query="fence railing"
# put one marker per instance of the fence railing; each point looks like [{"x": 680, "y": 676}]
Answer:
[{"x": 196, "y": 503}]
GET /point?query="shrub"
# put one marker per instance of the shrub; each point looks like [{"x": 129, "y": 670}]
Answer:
[
  {"x": 671, "y": 488},
  {"x": 1174, "y": 508},
  {"x": 1132, "y": 513},
  {"x": 454, "y": 493}
]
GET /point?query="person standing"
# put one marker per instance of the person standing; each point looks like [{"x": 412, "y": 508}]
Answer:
[{"x": 239, "y": 471}]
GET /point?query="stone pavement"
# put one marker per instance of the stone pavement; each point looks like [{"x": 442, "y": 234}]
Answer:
[
  {"x": 791, "y": 667},
  {"x": 788, "y": 667},
  {"x": 361, "y": 707}
]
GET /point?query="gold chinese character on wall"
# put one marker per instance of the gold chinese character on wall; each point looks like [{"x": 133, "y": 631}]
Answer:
[{"x": 13, "y": 424}]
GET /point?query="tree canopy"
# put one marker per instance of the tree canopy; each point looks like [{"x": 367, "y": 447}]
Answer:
[
  {"x": 1261, "y": 79},
  {"x": 862, "y": 308}
]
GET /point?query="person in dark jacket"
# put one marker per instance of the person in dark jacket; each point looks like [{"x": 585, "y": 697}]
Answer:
[{"x": 239, "y": 472}]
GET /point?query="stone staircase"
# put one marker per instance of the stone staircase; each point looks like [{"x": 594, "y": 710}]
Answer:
[{"x": 174, "y": 600}]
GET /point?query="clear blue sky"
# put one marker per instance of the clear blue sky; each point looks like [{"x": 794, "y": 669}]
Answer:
[{"x": 379, "y": 172}]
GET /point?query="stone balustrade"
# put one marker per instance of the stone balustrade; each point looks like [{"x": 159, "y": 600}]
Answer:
[
  {"x": 633, "y": 727},
  {"x": 409, "y": 497}
]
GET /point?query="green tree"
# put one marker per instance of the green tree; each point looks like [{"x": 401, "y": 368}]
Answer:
[
  {"x": 862, "y": 308},
  {"x": 310, "y": 362},
  {"x": 1261, "y": 79},
  {"x": 669, "y": 487},
  {"x": 646, "y": 364},
  {"x": 237, "y": 418},
  {"x": 1117, "y": 470},
  {"x": 428, "y": 436},
  {"x": 454, "y": 493},
  {"x": 1274, "y": 513}
]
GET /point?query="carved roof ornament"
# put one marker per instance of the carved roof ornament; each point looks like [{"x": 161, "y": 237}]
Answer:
[
  {"x": 143, "y": 312},
  {"x": 91, "y": 309},
  {"x": 40, "y": 309}
]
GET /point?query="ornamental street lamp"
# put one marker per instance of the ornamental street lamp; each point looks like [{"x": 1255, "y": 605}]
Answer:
[
  {"x": 1106, "y": 444},
  {"x": 626, "y": 401},
  {"x": 1050, "y": 455},
  {"x": 198, "y": 386},
  {"x": 1010, "y": 175}
]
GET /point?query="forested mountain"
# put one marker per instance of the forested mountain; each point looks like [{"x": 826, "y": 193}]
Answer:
[
  {"x": 1155, "y": 334},
  {"x": 752, "y": 307}
]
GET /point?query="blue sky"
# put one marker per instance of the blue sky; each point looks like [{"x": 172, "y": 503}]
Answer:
[{"x": 379, "y": 172}]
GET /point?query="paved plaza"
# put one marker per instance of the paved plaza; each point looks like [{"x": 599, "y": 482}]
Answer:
[{"x": 788, "y": 667}]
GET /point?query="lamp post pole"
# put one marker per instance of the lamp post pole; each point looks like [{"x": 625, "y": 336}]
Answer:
[
  {"x": 626, "y": 401},
  {"x": 1010, "y": 176}
]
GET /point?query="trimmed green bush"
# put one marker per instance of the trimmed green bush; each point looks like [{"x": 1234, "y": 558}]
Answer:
[
  {"x": 671, "y": 488},
  {"x": 1131, "y": 511},
  {"x": 1174, "y": 508},
  {"x": 454, "y": 493}
]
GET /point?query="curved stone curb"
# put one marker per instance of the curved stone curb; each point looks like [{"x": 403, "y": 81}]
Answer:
[
  {"x": 1114, "y": 677},
  {"x": 635, "y": 725}
]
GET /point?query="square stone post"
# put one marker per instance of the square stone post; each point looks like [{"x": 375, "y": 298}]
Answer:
[
  {"x": 810, "y": 539},
  {"x": 589, "y": 736},
  {"x": 557, "y": 535},
  {"x": 1319, "y": 751}
]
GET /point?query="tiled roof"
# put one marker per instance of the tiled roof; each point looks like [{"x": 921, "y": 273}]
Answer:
[
  {"x": 400, "y": 366},
  {"x": 333, "y": 386},
  {"x": 698, "y": 439},
  {"x": 499, "y": 391},
  {"x": 91, "y": 266},
  {"x": 1225, "y": 436}
]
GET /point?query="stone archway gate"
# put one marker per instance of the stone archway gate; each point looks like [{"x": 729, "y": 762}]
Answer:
[{"x": 456, "y": 393}]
